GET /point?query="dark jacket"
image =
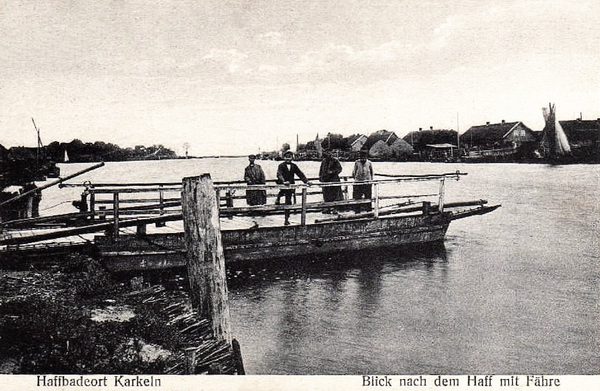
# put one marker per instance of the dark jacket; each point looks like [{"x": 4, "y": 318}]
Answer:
[
  {"x": 330, "y": 170},
  {"x": 254, "y": 175},
  {"x": 286, "y": 173}
]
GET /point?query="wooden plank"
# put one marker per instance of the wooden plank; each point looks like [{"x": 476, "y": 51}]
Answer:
[
  {"x": 134, "y": 190},
  {"x": 141, "y": 200},
  {"x": 310, "y": 206},
  {"x": 45, "y": 219},
  {"x": 61, "y": 233},
  {"x": 473, "y": 212},
  {"x": 423, "y": 176}
]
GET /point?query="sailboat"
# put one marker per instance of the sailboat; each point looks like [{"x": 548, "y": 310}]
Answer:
[
  {"x": 555, "y": 144},
  {"x": 66, "y": 157}
]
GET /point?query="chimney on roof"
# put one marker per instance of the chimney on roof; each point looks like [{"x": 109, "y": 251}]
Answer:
[
  {"x": 420, "y": 129},
  {"x": 503, "y": 122},
  {"x": 487, "y": 123},
  {"x": 431, "y": 128}
]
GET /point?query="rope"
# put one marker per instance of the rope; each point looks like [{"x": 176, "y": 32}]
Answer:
[{"x": 54, "y": 206}]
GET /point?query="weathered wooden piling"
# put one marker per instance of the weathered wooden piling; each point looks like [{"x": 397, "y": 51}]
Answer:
[
  {"x": 237, "y": 354},
  {"x": 205, "y": 259}
]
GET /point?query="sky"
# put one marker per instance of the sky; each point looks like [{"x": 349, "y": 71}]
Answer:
[{"x": 239, "y": 77}]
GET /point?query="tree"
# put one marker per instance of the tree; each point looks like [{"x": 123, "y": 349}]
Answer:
[
  {"x": 401, "y": 150},
  {"x": 380, "y": 150},
  {"x": 334, "y": 141}
]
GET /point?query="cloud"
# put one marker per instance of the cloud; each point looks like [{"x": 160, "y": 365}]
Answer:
[
  {"x": 229, "y": 58},
  {"x": 268, "y": 70},
  {"x": 329, "y": 57},
  {"x": 513, "y": 27},
  {"x": 271, "y": 38},
  {"x": 389, "y": 51},
  {"x": 334, "y": 56},
  {"x": 346, "y": 63}
]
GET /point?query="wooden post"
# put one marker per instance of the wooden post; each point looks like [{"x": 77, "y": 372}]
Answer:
[
  {"x": 376, "y": 210},
  {"x": 116, "y": 215},
  {"x": 303, "y": 213},
  {"x": 426, "y": 207},
  {"x": 229, "y": 199},
  {"x": 161, "y": 200},
  {"x": 205, "y": 259},
  {"x": 102, "y": 213},
  {"x": 92, "y": 204}
]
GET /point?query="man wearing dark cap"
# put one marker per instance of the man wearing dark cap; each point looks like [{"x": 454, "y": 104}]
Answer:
[
  {"x": 285, "y": 176},
  {"x": 363, "y": 171},
  {"x": 254, "y": 175}
]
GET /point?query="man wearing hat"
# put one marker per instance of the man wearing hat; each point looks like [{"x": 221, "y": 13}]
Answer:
[
  {"x": 363, "y": 171},
  {"x": 286, "y": 172},
  {"x": 254, "y": 175}
]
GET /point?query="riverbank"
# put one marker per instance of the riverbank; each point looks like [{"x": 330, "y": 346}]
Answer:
[{"x": 69, "y": 316}]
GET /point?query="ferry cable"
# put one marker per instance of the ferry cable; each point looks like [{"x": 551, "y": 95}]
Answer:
[{"x": 54, "y": 206}]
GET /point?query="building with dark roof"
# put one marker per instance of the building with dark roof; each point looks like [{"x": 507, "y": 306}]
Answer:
[
  {"x": 423, "y": 137},
  {"x": 503, "y": 134},
  {"x": 584, "y": 138}
]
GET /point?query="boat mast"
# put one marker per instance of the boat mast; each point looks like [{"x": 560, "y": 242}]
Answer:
[{"x": 39, "y": 143}]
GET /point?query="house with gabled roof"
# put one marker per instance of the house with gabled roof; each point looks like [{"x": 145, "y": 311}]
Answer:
[
  {"x": 503, "y": 134},
  {"x": 357, "y": 142},
  {"x": 381, "y": 135}
]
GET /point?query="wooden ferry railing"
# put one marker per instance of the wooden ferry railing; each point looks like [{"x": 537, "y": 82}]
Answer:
[
  {"x": 168, "y": 199},
  {"x": 112, "y": 206}
]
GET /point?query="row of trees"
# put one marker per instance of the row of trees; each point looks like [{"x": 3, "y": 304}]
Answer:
[
  {"x": 78, "y": 151},
  {"x": 332, "y": 141}
]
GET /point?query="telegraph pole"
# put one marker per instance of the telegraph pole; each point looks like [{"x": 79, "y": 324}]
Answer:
[{"x": 457, "y": 133}]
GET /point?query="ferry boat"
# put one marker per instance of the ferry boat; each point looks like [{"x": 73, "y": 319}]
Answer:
[{"x": 139, "y": 226}]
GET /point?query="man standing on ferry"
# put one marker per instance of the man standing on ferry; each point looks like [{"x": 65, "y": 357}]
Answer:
[
  {"x": 286, "y": 172},
  {"x": 363, "y": 171}
]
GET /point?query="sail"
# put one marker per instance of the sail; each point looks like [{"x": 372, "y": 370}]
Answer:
[
  {"x": 554, "y": 139},
  {"x": 562, "y": 144},
  {"x": 66, "y": 158}
]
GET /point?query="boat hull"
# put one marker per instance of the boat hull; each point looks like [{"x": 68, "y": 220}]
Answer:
[{"x": 161, "y": 251}]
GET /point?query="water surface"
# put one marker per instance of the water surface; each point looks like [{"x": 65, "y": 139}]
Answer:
[{"x": 514, "y": 291}]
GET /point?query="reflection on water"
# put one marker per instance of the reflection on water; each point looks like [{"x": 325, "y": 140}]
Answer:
[
  {"x": 336, "y": 267},
  {"x": 309, "y": 313}
]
